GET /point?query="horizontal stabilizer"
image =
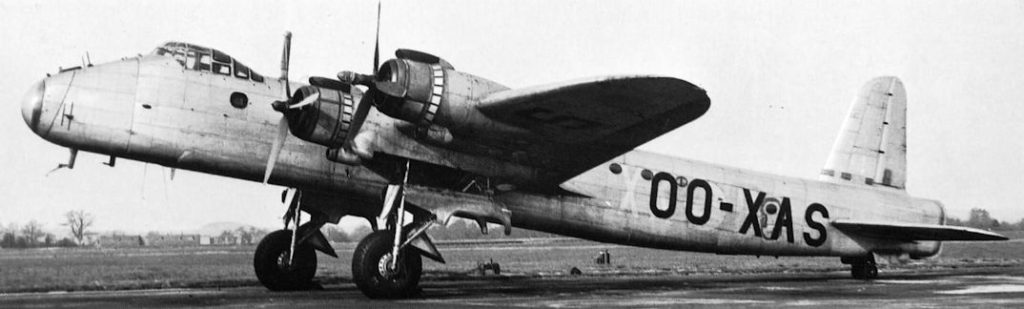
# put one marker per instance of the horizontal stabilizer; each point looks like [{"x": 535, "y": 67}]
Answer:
[{"x": 912, "y": 231}]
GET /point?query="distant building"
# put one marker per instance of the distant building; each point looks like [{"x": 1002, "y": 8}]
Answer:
[
  {"x": 120, "y": 241},
  {"x": 173, "y": 240},
  {"x": 226, "y": 239}
]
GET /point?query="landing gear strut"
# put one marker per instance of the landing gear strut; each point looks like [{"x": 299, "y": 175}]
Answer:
[
  {"x": 388, "y": 263},
  {"x": 863, "y": 268}
]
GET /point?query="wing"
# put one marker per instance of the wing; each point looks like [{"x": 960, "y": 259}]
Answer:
[
  {"x": 577, "y": 125},
  {"x": 910, "y": 231}
]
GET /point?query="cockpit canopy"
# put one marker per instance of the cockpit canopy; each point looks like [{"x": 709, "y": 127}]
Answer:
[{"x": 199, "y": 58}]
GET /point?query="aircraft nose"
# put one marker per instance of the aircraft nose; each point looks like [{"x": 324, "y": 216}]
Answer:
[{"x": 32, "y": 105}]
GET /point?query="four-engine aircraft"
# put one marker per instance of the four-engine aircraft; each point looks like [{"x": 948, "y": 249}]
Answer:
[{"x": 417, "y": 142}]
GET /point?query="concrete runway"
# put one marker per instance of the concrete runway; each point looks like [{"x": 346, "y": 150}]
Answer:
[{"x": 964, "y": 287}]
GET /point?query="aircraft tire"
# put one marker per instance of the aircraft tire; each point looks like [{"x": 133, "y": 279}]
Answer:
[
  {"x": 864, "y": 271},
  {"x": 870, "y": 271},
  {"x": 270, "y": 259},
  {"x": 857, "y": 271},
  {"x": 367, "y": 260}
]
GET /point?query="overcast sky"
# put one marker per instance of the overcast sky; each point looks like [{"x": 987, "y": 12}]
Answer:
[{"x": 780, "y": 74}]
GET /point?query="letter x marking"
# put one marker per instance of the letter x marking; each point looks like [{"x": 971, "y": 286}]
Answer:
[{"x": 752, "y": 207}]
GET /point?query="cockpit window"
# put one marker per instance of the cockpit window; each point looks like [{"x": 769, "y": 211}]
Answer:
[
  {"x": 220, "y": 57},
  {"x": 255, "y": 77},
  {"x": 199, "y": 58},
  {"x": 221, "y": 68},
  {"x": 241, "y": 71},
  {"x": 204, "y": 62}
]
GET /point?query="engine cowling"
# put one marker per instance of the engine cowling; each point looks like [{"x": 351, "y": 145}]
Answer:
[
  {"x": 432, "y": 93},
  {"x": 327, "y": 120}
]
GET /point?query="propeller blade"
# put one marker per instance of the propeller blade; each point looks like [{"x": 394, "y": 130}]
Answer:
[
  {"x": 306, "y": 101},
  {"x": 357, "y": 119},
  {"x": 286, "y": 56},
  {"x": 376, "y": 43},
  {"x": 275, "y": 149}
]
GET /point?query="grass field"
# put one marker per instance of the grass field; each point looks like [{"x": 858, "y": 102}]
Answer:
[{"x": 63, "y": 269}]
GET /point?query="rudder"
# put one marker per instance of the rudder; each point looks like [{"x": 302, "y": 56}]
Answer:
[{"x": 871, "y": 149}]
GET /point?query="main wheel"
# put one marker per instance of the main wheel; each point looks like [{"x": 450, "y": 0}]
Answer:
[
  {"x": 272, "y": 266},
  {"x": 372, "y": 271}
]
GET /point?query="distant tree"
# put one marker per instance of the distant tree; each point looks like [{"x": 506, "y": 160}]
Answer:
[
  {"x": 336, "y": 234},
  {"x": 79, "y": 221},
  {"x": 50, "y": 239},
  {"x": 359, "y": 233},
  {"x": 8, "y": 240},
  {"x": 955, "y": 221},
  {"x": 32, "y": 231},
  {"x": 66, "y": 242},
  {"x": 979, "y": 218},
  {"x": 258, "y": 234},
  {"x": 13, "y": 228},
  {"x": 20, "y": 242},
  {"x": 247, "y": 235}
]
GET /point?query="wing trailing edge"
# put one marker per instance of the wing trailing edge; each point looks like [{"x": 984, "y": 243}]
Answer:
[{"x": 913, "y": 231}]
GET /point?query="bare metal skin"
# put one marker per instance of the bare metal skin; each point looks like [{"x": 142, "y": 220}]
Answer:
[{"x": 155, "y": 108}]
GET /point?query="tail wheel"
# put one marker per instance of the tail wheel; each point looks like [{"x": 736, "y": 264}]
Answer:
[
  {"x": 372, "y": 271},
  {"x": 272, "y": 266},
  {"x": 864, "y": 271}
]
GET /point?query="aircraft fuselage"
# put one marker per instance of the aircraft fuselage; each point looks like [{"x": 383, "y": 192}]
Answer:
[{"x": 151, "y": 109}]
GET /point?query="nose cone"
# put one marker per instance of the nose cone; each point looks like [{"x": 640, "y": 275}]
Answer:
[{"x": 32, "y": 105}]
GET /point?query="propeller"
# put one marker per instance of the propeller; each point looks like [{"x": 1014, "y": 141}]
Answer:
[
  {"x": 363, "y": 107},
  {"x": 284, "y": 106},
  {"x": 349, "y": 147}
]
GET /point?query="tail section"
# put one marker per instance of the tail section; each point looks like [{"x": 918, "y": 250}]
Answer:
[{"x": 871, "y": 149}]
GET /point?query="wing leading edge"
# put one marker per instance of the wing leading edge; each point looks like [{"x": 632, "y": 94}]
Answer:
[{"x": 912, "y": 231}]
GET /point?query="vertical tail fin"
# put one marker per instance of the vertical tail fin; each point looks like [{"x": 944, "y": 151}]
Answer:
[{"x": 871, "y": 149}]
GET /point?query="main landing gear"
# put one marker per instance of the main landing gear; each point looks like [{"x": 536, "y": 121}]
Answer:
[
  {"x": 863, "y": 268},
  {"x": 285, "y": 260},
  {"x": 388, "y": 263}
]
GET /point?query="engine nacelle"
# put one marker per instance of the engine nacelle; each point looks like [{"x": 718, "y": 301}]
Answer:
[
  {"x": 327, "y": 120},
  {"x": 432, "y": 93}
]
